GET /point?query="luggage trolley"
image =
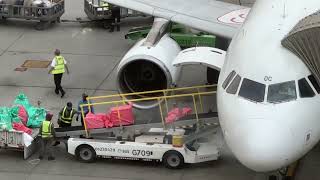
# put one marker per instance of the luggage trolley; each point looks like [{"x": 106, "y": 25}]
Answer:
[
  {"x": 44, "y": 13},
  {"x": 100, "y": 10}
]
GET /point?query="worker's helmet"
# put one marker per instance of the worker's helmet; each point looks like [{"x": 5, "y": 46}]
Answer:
[
  {"x": 49, "y": 116},
  {"x": 69, "y": 105},
  {"x": 57, "y": 52},
  {"x": 84, "y": 96}
]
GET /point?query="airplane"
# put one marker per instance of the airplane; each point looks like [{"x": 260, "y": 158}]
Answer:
[{"x": 268, "y": 88}]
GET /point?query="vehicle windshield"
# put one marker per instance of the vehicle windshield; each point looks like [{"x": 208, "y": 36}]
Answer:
[
  {"x": 252, "y": 90},
  {"x": 282, "y": 92}
]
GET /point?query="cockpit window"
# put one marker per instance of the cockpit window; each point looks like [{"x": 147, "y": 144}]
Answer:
[
  {"x": 305, "y": 89},
  {"x": 252, "y": 90},
  {"x": 228, "y": 79},
  {"x": 314, "y": 83},
  {"x": 282, "y": 92},
  {"x": 232, "y": 89}
]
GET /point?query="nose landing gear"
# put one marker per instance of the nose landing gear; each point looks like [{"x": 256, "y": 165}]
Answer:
[{"x": 287, "y": 173}]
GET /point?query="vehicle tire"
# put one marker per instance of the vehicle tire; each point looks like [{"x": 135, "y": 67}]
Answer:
[
  {"x": 106, "y": 24},
  {"x": 173, "y": 160},
  {"x": 40, "y": 26},
  {"x": 86, "y": 153},
  {"x": 3, "y": 18},
  {"x": 272, "y": 177}
]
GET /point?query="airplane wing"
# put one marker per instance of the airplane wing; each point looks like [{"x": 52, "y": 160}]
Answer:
[{"x": 219, "y": 18}]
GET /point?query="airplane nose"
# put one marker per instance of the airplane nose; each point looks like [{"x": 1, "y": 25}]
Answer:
[{"x": 262, "y": 145}]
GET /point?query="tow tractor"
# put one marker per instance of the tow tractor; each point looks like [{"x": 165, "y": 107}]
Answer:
[
  {"x": 187, "y": 140},
  {"x": 100, "y": 11}
]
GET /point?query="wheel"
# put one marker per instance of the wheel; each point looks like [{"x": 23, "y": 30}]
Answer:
[
  {"x": 173, "y": 160},
  {"x": 85, "y": 153},
  {"x": 273, "y": 177},
  {"x": 3, "y": 18},
  {"x": 106, "y": 24},
  {"x": 40, "y": 26}
]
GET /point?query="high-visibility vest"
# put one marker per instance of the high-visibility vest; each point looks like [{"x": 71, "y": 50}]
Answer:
[
  {"x": 59, "y": 67},
  {"x": 46, "y": 129},
  {"x": 65, "y": 119}
]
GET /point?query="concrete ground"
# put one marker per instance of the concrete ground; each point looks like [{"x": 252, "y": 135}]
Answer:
[{"x": 93, "y": 54}]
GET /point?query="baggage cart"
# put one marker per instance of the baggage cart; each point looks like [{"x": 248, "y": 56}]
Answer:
[
  {"x": 44, "y": 15},
  {"x": 15, "y": 140}
]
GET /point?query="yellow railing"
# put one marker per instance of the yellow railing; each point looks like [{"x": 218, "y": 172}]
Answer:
[{"x": 198, "y": 93}]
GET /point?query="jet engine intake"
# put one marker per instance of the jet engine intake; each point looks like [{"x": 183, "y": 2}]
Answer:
[{"x": 148, "y": 68}]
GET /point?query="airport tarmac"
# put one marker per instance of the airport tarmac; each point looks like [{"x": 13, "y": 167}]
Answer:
[{"x": 93, "y": 54}]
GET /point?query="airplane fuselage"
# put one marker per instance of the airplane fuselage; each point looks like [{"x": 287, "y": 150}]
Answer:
[{"x": 266, "y": 120}]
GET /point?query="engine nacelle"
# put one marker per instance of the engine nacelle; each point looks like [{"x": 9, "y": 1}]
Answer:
[{"x": 147, "y": 68}]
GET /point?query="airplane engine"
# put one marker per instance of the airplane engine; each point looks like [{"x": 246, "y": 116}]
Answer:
[{"x": 147, "y": 68}]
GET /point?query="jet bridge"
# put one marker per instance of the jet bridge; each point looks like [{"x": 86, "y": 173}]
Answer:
[
  {"x": 304, "y": 41},
  {"x": 199, "y": 123}
]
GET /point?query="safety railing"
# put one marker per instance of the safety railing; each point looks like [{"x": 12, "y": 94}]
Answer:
[
  {"x": 195, "y": 93},
  {"x": 32, "y": 12}
]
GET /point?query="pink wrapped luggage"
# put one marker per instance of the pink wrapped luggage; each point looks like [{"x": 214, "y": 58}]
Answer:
[
  {"x": 95, "y": 121},
  {"x": 21, "y": 127},
  {"x": 108, "y": 123},
  {"x": 173, "y": 115},
  {"x": 186, "y": 111},
  {"x": 176, "y": 113},
  {"x": 126, "y": 115},
  {"x": 23, "y": 115}
]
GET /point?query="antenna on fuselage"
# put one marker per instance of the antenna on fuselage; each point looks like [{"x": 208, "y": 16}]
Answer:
[
  {"x": 284, "y": 11},
  {"x": 195, "y": 48}
]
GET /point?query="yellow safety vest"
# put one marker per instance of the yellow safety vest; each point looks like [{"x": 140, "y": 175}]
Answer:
[
  {"x": 46, "y": 129},
  {"x": 59, "y": 67},
  {"x": 65, "y": 119}
]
